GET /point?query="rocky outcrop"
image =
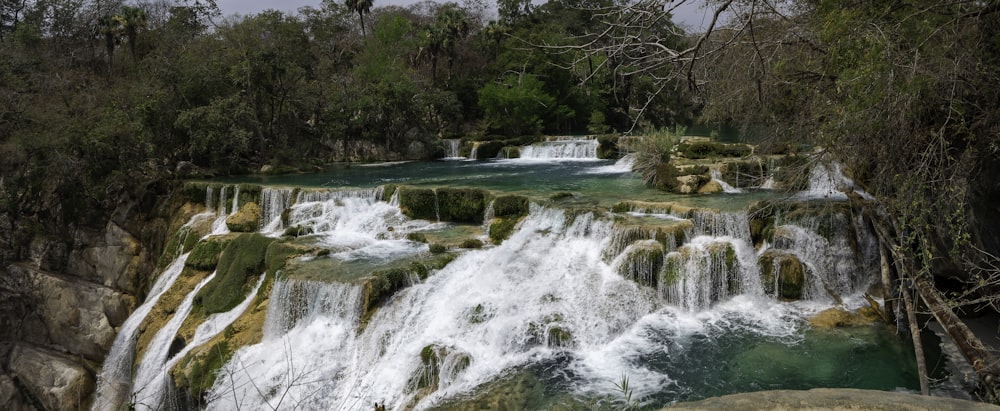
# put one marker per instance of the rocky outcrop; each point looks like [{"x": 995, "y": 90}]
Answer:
[
  {"x": 52, "y": 379},
  {"x": 111, "y": 257},
  {"x": 245, "y": 220},
  {"x": 71, "y": 315}
]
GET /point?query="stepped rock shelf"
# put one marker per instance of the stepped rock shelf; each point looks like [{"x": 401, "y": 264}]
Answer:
[{"x": 502, "y": 284}]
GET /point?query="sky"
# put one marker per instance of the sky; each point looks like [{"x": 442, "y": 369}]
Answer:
[{"x": 690, "y": 14}]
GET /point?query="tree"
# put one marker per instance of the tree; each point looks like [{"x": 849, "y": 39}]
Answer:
[
  {"x": 110, "y": 28},
  {"x": 361, "y": 7},
  {"x": 515, "y": 105},
  {"x": 131, "y": 20}
]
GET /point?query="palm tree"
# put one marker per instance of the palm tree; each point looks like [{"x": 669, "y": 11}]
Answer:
[
  {"x": 132, "y": 19},
  {"x": 454, "y": 24},
  {"x": 362, "y": 7},
  {"x": 109, "y": 27}
]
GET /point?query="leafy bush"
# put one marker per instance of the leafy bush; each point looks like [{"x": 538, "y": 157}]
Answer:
[{"x": 653, "y": 150}]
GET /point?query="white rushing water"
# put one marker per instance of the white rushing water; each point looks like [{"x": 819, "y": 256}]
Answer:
[
  {"x": 726, "y": 188},
  {"x": 116, "y": 374},
  {"x": 565, "y": 149},
  {"x": 453, "y": 149}
]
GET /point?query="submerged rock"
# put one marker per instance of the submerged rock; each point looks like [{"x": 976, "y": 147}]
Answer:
[{"x": 839, "y": 317}]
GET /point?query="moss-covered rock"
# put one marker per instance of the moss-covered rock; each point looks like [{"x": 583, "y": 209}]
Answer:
[
  {"x": 380, "y": 285},
  {"x": 242, "y": 259},
  {"x": 297, "y": 231},
  {"x": 437, "y": 248},
  {"x": 488, "y": 149},
  {"x": 205, "y": 254},
  {"x": 642, "y": 263},
  {"x": 418, "y": 203},
  {"x": 472, "y": 243},
  {"x": 607, "y": 146},
  {"x": 710, "y": 187},
  {"x": 246, "y": 220},
  {"x": 510, "y": 206},
  {"x": 461, "y": 205},
  {"x": 782, "y": 274},
  {"x": 511, "y": 152}
]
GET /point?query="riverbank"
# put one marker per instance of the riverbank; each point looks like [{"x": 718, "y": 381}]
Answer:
[{"x": 821, "y": 399}]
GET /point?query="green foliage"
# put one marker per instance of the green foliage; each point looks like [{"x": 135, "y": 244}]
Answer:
[
  {"x": 514, "y": 106},
  {"x": 652, "y": 152},
  {"x": 241, "y": 260}
]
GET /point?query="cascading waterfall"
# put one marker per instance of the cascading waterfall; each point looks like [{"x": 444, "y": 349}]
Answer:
[
  {"x": 566, "y": 149},
  {"x": 570, "y": 297},
  {"x": 149, "y": 383},
  {"x": 116, "y": 374}
]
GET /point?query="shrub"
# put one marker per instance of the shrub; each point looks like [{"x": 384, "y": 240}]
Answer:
[{"x": 651, "y": 151}]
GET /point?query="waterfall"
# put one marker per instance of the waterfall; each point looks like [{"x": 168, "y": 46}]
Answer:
[
  {"x": 273, "y": 202},
  {"x": 148, "y": 383},
  {"x": 453, "y": 146},
  {"x": 115, "y": 377},
  {"x": 726, "y": 188},
  {"x": 567, "y": 149},
  {"x": 578, "y": 297}
]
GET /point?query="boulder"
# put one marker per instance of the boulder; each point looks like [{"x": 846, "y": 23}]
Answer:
[
  {"x": 839, "y": 317},
  {"x": 710, "y": 187},
  {"x": 54, "y": 379},
  {"x": 782, "y": 274},
  {"x": 75, "y": 316},
  {"x": 246, "y": 220}
]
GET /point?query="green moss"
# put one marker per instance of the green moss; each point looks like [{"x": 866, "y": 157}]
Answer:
[
  {"x": 387, "y": 191},
  {"x": 488, "y": 149},
  {"x": 790, "y": 274},
  {"x": 416, "y": 237},
  {"x": 510, "y": 205},
  {"x": 278, "y": 253},
  {"x": 671, "y": 270},
  {"x": 558, "y": 337},
  {"x": 562, "y": 195},
  {"x": 750, "y": 173},
  {"x": 607, "y": 146},
  {"x": 511, "y": 152},
  {"x": 472, "y": 243},
  {"x": 730, "y": 257},
  {"x": 204, "y": 369},
  {"x": 175, "y": 246},
  {"x": 708, "y": 149},
  {"x": 502, "y": 228},
  {"x": 642, "y": 263},
  {"x": 242, "y": 259},
  {"x": 297, "y": 231},
  {"x": 479, "y": 314},
  {"x": 461, "y": 205},
  {"x": 437, "y": 248},
  {"x": 246, "y": 220},
  {"x": 418, "y": 203},
  {"x": 205, "y": 255}
]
